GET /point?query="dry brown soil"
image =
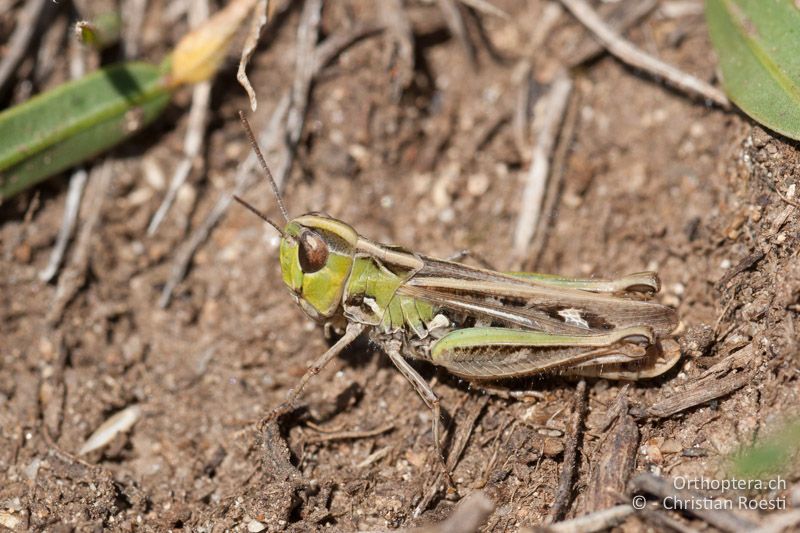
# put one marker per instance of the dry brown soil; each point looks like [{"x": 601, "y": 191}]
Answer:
[{"x": 651, "y": 179}]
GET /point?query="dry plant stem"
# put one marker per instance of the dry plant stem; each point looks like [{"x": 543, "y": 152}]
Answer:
[
  {"x": 615, "y": 460},
  {"x": 568, "y": 469},
  {"x": 546, "y": 126},
  {"x": 487, "y": 8},
  {"x": 399, "y": 28},
  {"x": 195, "y": 131},
  {"x": 520, "y": 120},
  {"x": 74, "y": 276},
  {"x": 20, "y": 40},
  {"x": 259, "y": 21},
  {"x": 468, "y": 516},
  {"x": 273, "y": 140},
  {"x": 633, "y": 56},
  {"x": 456, "y": 25},
  {"x": 72, "y": 205},
  {"x": 351, "y": 435},
  {"x": 709, "y": 386},
  {"x": 457, "y": 449},
  {"x": 628, "y": 16},
  {"x": 664, "y": 487},
  {"x": 133, "y": 15},
  {"x": 589, "y": 523},
  {"x": 663, "y": 521},
  {"x": 553, "y": 189},
  {"x": 77, "y": 183},
  {"x": 781, "y": 522}
]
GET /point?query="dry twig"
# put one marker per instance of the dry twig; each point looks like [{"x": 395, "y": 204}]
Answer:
[
  {"x": 74, "y": 276},
  {"x": 20, "y": 41},
  {"x": 665, "y": 488},
  {"x": 709, "y": 386},
  {"x": 568, "y": 469},
  {"x": 456, "y": 25},
  {"x": 399, "y": 29},
  {"x": 350, "y": 435},
  {"x": 553, "y": 188},
  {"x": 588, "y": 523},
  {"x": 626, "y": 52},
  {"x": 468, "y": 516},
  {"x": 620, "y": 20},
  {"x": 487, "y": 8},
  {"x": 262, "y": 14},
  {"x": 133, "y": 15},
  {"x": 615, "y": 459},
  {"x": 456, "y": 450},
  {"x": 546, "y": 126},
  {"x": 195, "y": 130}
]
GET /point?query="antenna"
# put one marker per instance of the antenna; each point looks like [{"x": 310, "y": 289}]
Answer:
[
  {"x": 264, "y": 166},
  {"x": 259, "y": 214}
]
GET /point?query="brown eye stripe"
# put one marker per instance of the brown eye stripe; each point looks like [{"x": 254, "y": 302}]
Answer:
[{"x": 312, "y": 252}]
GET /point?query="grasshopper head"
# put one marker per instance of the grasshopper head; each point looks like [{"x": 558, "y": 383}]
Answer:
[{"x": 316, "y": 257}]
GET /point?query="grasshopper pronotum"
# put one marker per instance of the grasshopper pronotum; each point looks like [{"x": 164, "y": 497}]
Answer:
[{"x": 475, "y": 322}]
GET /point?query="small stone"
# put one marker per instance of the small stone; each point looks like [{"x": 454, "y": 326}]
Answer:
[{"x": 254, "y": 526}]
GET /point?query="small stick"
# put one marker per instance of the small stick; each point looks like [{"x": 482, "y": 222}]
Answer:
[
  {"x": 553, "y": 189},
  {"x": 588, "y": 523},
  {"x": 77, "y": 183},
  {"x": 133, "y": 15},
  {"x": 546, "y": 125},
  {"x": 195, "y": 130},
  {"x": 350, "y": 435},
  {"x": 487, "y": 8},
  {"x": 574, "y": 438},
  {"x": 626, "y": 52},
  {"x": 615, "y": 459},
  {"x": 18, "y": 44},
  {"x": 623, "y": 18},
  {"x": 402, "y": 37},
  {"x": 663, "y": 521},
  {"x": 697, "y": 393},
  {"x": 456, "y": 25},
  {"x": 665, "y": 488},
  {"x": 455, "y": 454},
  {"x": 74, "y": 276},
  {"x": 262, "y": 14},
  {"x": 520, "y": 119}
]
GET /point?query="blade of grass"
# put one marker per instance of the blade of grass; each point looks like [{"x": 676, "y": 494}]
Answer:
[
  {"x": 76, "y": 121},
  {"x": 756, "y": 42}
]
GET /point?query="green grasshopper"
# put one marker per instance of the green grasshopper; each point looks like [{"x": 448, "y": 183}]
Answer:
[{"x": 477, "y": 323}]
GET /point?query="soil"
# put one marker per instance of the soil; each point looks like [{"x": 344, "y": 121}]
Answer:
[{"x": 650, "y": 179}]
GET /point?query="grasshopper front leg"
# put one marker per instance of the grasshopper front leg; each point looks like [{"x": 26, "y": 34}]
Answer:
[
  {"x": 496, "y": 353},
  {"x": 351, "y": 333}
]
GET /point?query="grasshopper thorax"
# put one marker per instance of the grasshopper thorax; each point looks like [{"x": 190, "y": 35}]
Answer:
[{"x": 316, "y": 256}]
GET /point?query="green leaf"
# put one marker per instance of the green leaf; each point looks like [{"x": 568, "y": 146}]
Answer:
[
  {"x": 75, "y": 121},
  {"x": 770, "y": 455},
  {"x": 758, "y": 44}
]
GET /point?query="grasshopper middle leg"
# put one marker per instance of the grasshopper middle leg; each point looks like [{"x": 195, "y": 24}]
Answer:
[{"x": 393, "y": 350}]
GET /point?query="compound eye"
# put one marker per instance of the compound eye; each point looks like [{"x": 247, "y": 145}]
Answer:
[{"x": 312, "y": 252}]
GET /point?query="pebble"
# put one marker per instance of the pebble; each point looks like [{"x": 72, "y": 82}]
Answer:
[{"x": 254, "y": 526}]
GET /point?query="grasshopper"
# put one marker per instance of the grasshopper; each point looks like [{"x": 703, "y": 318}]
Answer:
[{"x": 477, "y": 323}]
